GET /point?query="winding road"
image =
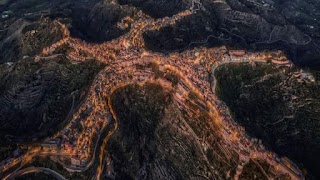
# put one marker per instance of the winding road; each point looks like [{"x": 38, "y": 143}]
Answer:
[{"x": 32, "y": 169}]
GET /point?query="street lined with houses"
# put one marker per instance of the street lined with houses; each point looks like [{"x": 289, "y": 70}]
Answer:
[{"x": 76, "y": 145}]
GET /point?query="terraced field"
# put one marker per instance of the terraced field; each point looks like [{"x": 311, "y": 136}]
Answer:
[
  {"x": 275, "y": 106},
  {"x": 36, "y": 97},
  {"x": 155, "y": 136}
]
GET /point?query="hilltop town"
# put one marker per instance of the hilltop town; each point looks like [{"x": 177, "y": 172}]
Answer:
[{"x": 127, "y": 62}]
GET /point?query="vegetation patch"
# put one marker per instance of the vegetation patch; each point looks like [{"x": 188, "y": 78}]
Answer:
[
  {"x": 36, "y": 98},
  {"x": 154, "y": 136},
  {"x": 278, "y": 105}
]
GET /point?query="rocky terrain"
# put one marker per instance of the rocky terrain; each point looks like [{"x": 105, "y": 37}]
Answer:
[{"x": 278, "y": 105}]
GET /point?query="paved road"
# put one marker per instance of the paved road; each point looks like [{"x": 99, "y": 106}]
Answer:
[{"x": 36, "y": 170}]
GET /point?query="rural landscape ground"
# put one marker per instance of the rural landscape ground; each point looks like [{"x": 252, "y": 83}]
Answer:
[{"x": 133, "y": 89}]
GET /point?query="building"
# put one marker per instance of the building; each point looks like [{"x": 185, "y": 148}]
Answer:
[
  {"x": 52, "y": 144},
  {"x": 75, "y": 161},
  {"x": 83, "y": 161},
  {"x": 237, "y": 52},
  {"x": 68, "y": 146}
]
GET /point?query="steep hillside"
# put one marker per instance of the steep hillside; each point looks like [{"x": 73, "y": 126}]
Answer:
[
  {"x": 35, "y": 98},
  {"x": 158, "y": 138},
  {"x": 151, "y": 142},
  {"x": 278, "y": 105},
  {"x": 101, "y": 22},
  {"x": 291, "y": 26}
]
